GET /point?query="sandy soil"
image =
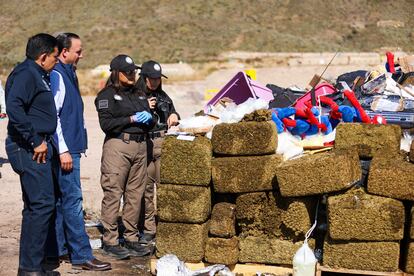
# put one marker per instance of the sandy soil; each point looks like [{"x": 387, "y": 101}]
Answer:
[{"x": 188, "y": 98}]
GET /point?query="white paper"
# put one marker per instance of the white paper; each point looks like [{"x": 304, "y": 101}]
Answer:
[{"x": 186, "y": 137}]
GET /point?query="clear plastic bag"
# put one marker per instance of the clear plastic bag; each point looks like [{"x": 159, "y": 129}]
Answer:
[
  {"x": 170, "y": 265},
  {"x": 304, "y": 261}
]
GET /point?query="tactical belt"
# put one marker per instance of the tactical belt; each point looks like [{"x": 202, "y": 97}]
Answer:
[
  {"x": 126, "y": 137},
  {"x": 157, "y": 134}
]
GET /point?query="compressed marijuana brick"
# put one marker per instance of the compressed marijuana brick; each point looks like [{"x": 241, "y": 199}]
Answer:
[
  {"x": 319, "y": 173},
  {"x": 245, "y": 138},
  {"x": 183, "y": 203},
  {"x": 186, "y": 241},
  {"x": 368, "y": 139},
  {"x": 223, "y": 220},
  {"x": 357, "y": 215},
  {"x": 186, "y": 162},
  {"x": 374, "y": 256},
  {"x": 222, "y": 251},
  {"x": 392, "y": 177},
  {"x": 244, "y": 173}
]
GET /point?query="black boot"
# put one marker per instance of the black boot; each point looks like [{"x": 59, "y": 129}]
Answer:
[
  {"x": 147, "y": 239},
  {"x": 137, "y": 249},
  {"x": 116, "y": 251}
]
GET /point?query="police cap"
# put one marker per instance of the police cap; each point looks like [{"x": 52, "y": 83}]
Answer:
[
  {"x": 152, "y": 69},
  {"x": 123, "y": 63}
]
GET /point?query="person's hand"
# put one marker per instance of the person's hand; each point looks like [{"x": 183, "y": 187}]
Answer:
[
  {"x": 40, "y": 153},
  {"x": 172, "y": 120},
  {"x": 66, "y": 161},
  {"x": 152, "y": 102},
  {"x": 142, "y": 117}
]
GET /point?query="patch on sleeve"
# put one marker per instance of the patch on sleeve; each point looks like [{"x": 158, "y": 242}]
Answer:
[{"x": 103, "y": 104}]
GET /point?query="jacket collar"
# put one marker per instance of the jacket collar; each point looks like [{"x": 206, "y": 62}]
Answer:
[{"x": 32, "y": 63}]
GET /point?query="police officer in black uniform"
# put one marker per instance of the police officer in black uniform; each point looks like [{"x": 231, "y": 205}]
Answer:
[
  {"x": 125, "y": 118},
  {"x": 150, "y": 85},
  {"x": 32, "y": 121}
]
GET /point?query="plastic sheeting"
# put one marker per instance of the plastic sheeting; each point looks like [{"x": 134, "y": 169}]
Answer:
[{"x": 170, "y": 265}]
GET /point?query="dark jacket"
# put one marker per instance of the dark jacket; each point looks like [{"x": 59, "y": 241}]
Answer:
[
  {"x": 115, "y": 108},
  {"x": 71, "y": 113},
  {"x": 164, "y": 107},
  {"x": 30, "y": 104}
]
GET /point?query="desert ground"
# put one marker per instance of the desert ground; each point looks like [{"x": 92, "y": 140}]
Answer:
[{"x": 188, "y": 97}]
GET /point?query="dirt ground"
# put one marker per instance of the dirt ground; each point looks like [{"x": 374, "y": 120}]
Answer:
[{"x": 188, "y": 98}]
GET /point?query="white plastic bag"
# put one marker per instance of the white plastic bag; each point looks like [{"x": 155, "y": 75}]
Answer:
[
  {"x": 170, "y": 265},
  {"x": 406, "y": 141},
  {"x": 304, "y": 261}
]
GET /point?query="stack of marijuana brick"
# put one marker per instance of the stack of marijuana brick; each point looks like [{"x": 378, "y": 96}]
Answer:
[
  {"x": 262, "y": 206},
  {"x": 250, "y": 221},
  {"x": 184, "y": 198},
  {"x": 365, "y": 226},
  {"x": 243, "y": 170}
]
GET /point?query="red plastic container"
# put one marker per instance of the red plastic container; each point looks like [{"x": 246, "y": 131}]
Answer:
[{"x": 320, "y": 90}]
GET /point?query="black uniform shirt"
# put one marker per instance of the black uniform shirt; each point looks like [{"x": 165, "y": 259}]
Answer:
[
  {"x": 164, "y": 108},
  {"x": 114, "y": 111},
  {"x": 30, "y": 104}
]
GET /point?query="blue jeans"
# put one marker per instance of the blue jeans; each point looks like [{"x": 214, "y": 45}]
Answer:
[
  {"x": 70, "y": 226},
  {"x": 38, "y": 183}
]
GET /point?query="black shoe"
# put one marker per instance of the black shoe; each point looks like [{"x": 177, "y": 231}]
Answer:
[
  {"x": 147, "y": 239},
  {"x": 52, "y": 273},
  {"x": 93, "y": 265},
  {"x": 22, "y": 272},
  {"x": 50, "y": 263},
  {"x": 137, "y": 249},
  {"x": 116, "y": 251}
]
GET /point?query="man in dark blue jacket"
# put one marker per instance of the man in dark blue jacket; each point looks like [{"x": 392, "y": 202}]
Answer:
[
  {"x": 29, "y": 147},
  {"x": 70, "y": 136}
]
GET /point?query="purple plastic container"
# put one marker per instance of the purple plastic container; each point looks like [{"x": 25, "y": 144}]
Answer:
[{"x": 239, "y": 89}]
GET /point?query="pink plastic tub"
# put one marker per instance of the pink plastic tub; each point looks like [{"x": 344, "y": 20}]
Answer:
[
  {"x": 320, "y": 90},
  {"x": 239, "y": 89}
]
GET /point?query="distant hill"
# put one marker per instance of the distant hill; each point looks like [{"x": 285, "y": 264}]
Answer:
[{"x": 199, "y": 30}]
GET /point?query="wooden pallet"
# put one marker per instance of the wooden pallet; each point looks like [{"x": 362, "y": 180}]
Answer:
[
  {"x": 240, "y": 269},
  {"x": 320, "y": 269}
]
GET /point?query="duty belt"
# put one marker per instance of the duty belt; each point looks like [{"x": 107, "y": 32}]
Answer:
[
  {"x": 156, "y": 134},
  {"x": 126, "y": 137}
]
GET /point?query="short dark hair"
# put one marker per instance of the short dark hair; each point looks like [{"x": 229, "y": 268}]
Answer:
[
  {"x": 40, "y": 44},
  {"x": 65, "y": 40}
]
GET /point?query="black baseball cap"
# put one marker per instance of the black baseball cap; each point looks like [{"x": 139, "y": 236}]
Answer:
[
  {"x": 123, "y": 63},
  {"x": 152, "y": 69}
]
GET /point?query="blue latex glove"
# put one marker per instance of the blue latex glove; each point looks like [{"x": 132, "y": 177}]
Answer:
[{"x": 142, "y": 117}]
